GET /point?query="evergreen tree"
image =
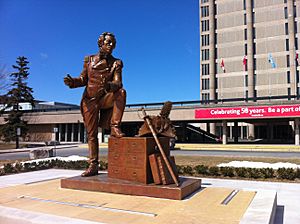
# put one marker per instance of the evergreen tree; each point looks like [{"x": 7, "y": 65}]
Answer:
[{"x": 18, "y": 93}]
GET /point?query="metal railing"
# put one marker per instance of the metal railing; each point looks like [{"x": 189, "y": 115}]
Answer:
[{"x": 181, "y": 103}]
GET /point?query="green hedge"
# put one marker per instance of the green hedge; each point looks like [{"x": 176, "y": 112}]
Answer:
[
  {"x": 199, "y": 170},
  {"x": 26, "y": 167}
]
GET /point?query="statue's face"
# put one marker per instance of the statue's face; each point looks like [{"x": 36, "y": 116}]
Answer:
[{"x": 108, "y": 44}]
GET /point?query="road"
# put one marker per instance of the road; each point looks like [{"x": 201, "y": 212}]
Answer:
[{"x": 103, "y": 151}]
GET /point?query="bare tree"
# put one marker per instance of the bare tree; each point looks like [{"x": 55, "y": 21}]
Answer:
[{"x": 4, "y": 79}]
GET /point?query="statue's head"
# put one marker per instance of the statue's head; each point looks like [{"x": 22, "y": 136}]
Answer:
[{"x": 107, "y": 42}]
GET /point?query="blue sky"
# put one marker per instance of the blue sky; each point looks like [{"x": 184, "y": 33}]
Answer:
[{"x": 158, "y": 41}]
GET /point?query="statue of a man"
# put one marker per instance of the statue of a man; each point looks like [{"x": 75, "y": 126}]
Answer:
[{"x": 103, "y": 94}]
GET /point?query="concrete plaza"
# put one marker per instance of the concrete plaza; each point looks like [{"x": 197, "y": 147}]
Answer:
[{"x": 36, "y": 197}]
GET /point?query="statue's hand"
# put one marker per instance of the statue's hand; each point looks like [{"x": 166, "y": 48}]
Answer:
[
  {"x": 164, "y": 125},
  {"x": 68, "y": 80},
  {"x": 112, "y": 86}
]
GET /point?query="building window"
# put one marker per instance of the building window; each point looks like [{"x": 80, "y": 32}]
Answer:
[
  {"x": 246, "y": 49},
  {"x": 288, "y": 60},
  {"x": 205, "y": 25},
  {"x": 286, "y": 28},
  {"x": 205, "y": 84},
  {"x": 297, "y": 76},
  {"x": 244, "y": 4},
  {"x": 285, "y": 13},
  {"x": 204, "y": 1},
  {"x": 254, "y": 79},
  {"x": 205, "y": 40},
  {"x": 204, "y": 54},
  {"x": 205, "y": 97},
  {"x": 289, "y": 92},
  {"x": 205, "y": 69},
  {"x": 246, "y": 80},
  {"x": 244, "y": 128},
  {"x": 204, "y": 11},
  {"x": 296, "y": 43},
  {"x": 245, "y": 19},
  {"x": 245, "y": 34},
  {"x": 215, "y": 9},
  {"x": 288, "y": 76},
  {"x": 287, "y": 44},
  {"x": 254, "y": 33}
]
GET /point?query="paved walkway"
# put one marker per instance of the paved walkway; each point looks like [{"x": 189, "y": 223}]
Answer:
[
  {"x": 288, "y": 194},
  {"x": 2, "y": 151},
  {"x": 229, "y": 147},
  {"x": 240, "y": 147},
  {"x": 188, "y": 146}
]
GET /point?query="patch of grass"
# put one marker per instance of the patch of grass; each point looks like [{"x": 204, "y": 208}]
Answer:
[{"x": 9, "y": 146}]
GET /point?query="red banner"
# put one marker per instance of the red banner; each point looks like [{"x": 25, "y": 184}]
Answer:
[{"x": 248, "y": 112}]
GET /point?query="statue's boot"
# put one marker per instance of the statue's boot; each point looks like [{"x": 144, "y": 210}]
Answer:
[
  {"x": 118, "y": 110},
  {"x": 92, "y": 170}
]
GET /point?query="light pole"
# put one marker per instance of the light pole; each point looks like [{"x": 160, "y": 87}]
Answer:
[
  {"x": 17, "y": 137},
  {"x": 55, "y": 130}
]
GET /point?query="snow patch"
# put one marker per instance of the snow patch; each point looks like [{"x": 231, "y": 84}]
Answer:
[
  {"x": 248, "y": 164},
  {"x": 68, "y": 158}
]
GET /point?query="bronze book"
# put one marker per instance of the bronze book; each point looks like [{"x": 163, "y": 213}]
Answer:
[{"x": 155, "y": 169}]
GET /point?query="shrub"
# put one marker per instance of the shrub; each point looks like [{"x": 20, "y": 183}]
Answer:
[
  {"x": 19, "y": 167},
  {"x": 268, "y": 173},
  {"x": 227, "y": 171},
  {"x": 286, "y": 173},
  {"x": 254, "y": 173},
  {"x": 179, "y": 169},
  {"x": 241, "y": 171},
  {"x": 102, "y": 165},
  {"x": 214, "y": 171},
  {"x": 188, "y": 170},
  {"x": 43, "y": 165},
  {"x": 297, "y": 173},
  {"x": 8, "y": 168},
  {"x": 30, "y": 166},
  {"x": 201, "y": 169}
]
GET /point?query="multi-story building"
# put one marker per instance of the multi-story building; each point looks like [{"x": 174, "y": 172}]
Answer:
[{"x": 249, "y": 49}]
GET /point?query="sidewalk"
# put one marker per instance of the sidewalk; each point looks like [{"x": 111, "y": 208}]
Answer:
[
  {"x": 240, "y": 147},
  {"x": 41, "y": 147},
  {"x": 186, "y": 146},
  {"x": 43, "y": 200},
  {"x": 228, "y": 147}
]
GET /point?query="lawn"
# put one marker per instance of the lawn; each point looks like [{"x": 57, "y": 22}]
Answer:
[{"x": 9, "y": 146}]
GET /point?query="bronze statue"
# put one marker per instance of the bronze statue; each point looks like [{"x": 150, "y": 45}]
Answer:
[
  {"x": 104, "y": 94},
  {"x": 161, "y": 123}
]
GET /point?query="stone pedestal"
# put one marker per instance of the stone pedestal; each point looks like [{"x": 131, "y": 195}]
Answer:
[
  {"x": 103, "y": 183},
  {"x": 128, "y": 158},
  {"x": 129, "y": 172}
]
